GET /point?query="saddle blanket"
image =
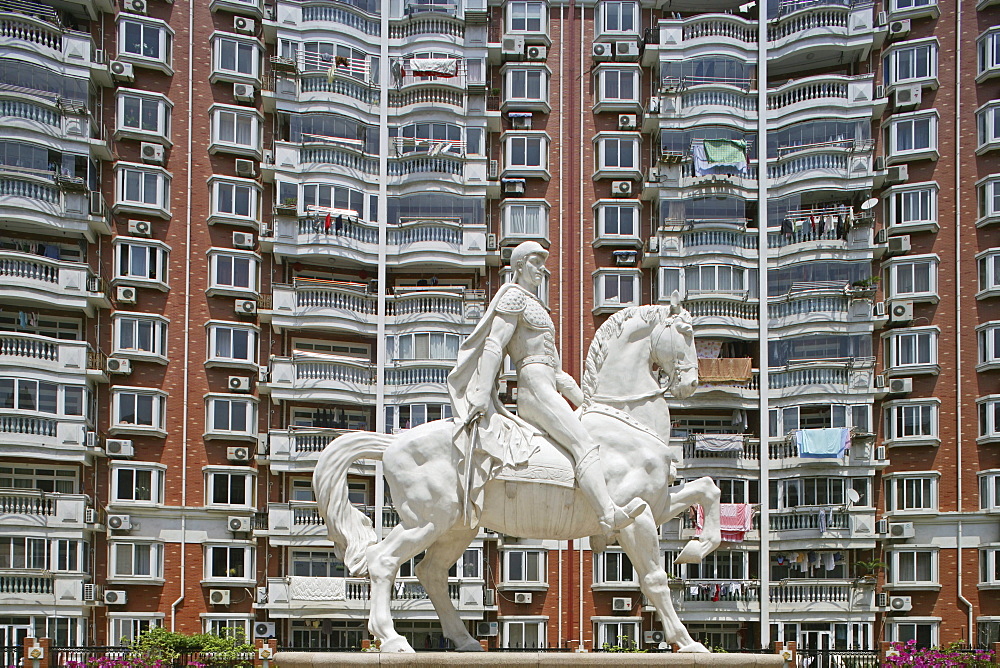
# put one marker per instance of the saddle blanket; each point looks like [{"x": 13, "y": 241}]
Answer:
[{"x": 549, "y": 465}]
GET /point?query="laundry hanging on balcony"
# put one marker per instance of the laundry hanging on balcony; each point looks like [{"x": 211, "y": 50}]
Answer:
[
  {"x": 828, "y": 443},
  {"x": 735, "y": 520},
  {"x": 725, "y": 369},
  {"x": 719, "y": 156},
  {"x": 718, "y": 442},
  {"x": 436, "y": 67}
]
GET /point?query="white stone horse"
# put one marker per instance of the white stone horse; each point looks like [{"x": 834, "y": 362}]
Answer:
[{"x": 627, "y": 414}]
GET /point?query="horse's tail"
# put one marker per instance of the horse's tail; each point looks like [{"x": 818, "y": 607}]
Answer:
[{"x": 349, "y": 529}]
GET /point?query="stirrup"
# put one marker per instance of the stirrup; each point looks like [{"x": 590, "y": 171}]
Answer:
[{"x": 623, "y": 516}]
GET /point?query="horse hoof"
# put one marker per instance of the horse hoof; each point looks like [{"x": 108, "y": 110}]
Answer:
[
  {"x": 692, "y": 553},
  {"x": 694, "y": 648},
  {"x": 397, "y": 644}
]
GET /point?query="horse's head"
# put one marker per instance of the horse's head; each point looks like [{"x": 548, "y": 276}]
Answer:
[{"x": 672, "y": 348}]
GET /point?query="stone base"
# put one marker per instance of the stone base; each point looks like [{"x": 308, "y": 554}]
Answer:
[{"x": 516, "y": 659}]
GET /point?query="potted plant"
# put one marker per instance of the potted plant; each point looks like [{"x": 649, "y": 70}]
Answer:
[
  {"x": 868, "y": 570},
  {"x": 287, "y": 207}
]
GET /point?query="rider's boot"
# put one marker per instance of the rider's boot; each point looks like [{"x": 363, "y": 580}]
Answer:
[{"x": 613, "y": 518}]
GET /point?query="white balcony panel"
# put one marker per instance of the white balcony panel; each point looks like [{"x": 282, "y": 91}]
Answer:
[
  {"x": 37, "y": 203},
  {"x": 42, "y": 590},
  {"x": 43, "y": 353},
  {"x": 297, "y": 449},
  {"x": 43, "y": 42},
  {"x": 40, "y": 510},
  {"x": 42, "y": 437},
  {"x": 38, "y": 281},
  {"x": 353, "y": 382}
]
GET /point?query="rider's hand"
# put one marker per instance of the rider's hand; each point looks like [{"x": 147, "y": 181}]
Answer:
[{"x": 478, "y": 404}]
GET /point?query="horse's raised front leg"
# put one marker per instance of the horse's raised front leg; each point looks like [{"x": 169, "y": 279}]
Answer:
[
  {"x": 641, "y": 542},
  {"x": 384, "y": 560},
  {"x": 433, "y": 575},
  {"x": 705, "y": 492}
]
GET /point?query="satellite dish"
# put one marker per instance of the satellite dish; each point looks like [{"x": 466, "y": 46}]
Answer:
[
  {"x": 853, "y": 496},
  {"x": 869, "y": 203}
]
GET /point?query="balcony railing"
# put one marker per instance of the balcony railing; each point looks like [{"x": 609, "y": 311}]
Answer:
[
  {"x": 42, "y": 352},
  {"x": 353, "y": 381},
  {"x": 65, "y": 44},
  {"x": 57, "y": 511},
  {"x": 301, "y": 591}
]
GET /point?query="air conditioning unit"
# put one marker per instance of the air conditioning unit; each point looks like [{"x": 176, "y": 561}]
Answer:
[
  {"x": 136, "y": 6},
  {"x": 91, "y": 439},
  {"x": 99, "y": 57},
  {"x": 239, "y": 383},
  {"x": 621, "y": 604},
  {"x": 881, "y": 453},
  {"x": 243, "y": 240},
  {"x": 116, "y": 447},
  {"x": 97, "y": 207},
  {"x": 90, "y": 515},
  {"x": 494, "y": 170},
  {"x": 92, "y": 592},
  {"x": 118, "y": 365},
  {"x": 491, "y": 242},
  {"x": 627, "y": 50},
  {"x": 119, "y": 522},
  {"x": 653, "y": 106},
  {"x": 244, "y": 26},
  {"x": 882, "y": 237},
  {"x": 238, "y": 454},
  {"x": 513, "y": 186},
  {"x": 881, "y": 19},
  {"x": 900, "y": 604},
  {"x": 152, "y": 153},
  {"x": 900, "y": 385},
  {"x": 140, "y": 228},
  {"x": 601, "y": 51},
  {"x": 879, "y": 164},
  {"x": 653, "y": 637},
  {"x": 906, "y": 98},
  {"x": 898, "y": 245},
  {"x": 879, "y": 310},
  {"x": 240, "y": 524},
  {"x": 882, "y": 527},
  {"x": 897, "y": 174},
  {"x": 115, "y": 597},
  {"x": 899, "y": 29},
  {"x": 621, "y": 188},
  {"x": 245, "y": 168},
  {"x": 878, "y": 381},
  {"x": 627, "y": 121},
  {"x": 522, "y": 597},
  {"x": 512, "y": 45},
  {"x": 901, "y": 312},
  {"x": 126, "y": 295},
  {"x": 246, "y": 307},
  {"x": 243, "y": 92},
  {"x": 263, "y": 630},
  {"x": 520, "y": 122},
  {"x": 489, "y": 597},
  {"x": 505, "y": 254},
  {"x": 536, "y": 53},
  {"x": 487, "y": 629},
  {"x": 882, "y": 600},
  {"x": 122, "y": 71},
  {"x": 219, "y": 596},
  {"x": 901, "y": 530}
]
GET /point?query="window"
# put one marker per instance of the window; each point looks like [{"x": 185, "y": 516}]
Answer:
[
  {"x": 912, "y": 567},
  {"x": 989, "y": 566},
  {"x": 423, "y": 346},
  {"x": 145, "y": 42},
  {"x": 142, "y": 113},
  {"x": 988, "y": 123},
  {"x": 911, "y": 422},
  {"x": 337, "y": 197},
  {"x": 69, "y": 556},
  {"x": 317, "y": 564},
  {"x": 124, "y": 630},
  {"x": 619, "y": 17},
  {"x": 618, "y": 85},
  {"x": 989, "y": 345},
  {"x": 613, "y": 568},
  {"x": 524, "y": 566},
  {"x": 721, "y": 565},
  {"x": 137, "y": 409},
  {"x": 989, "y": 418},
  {"x": 795, "y": 492},
  {"x": 911, "y": 136},
  {"x": 616, "y": 290},
  {"x": 235, "y": 131},
  {"x": 924, "y": 633},
  {"x": 714, "y": 278},
  {"x": 527, "y": 87},
  {"x": 989, "y": 54},
  {"x": 912, "y": 350},
  {"x": 615, "y": 221},
  {"x": 137, "y": 484},
  {"x": 989, "y": 489},
  {"x": 618, "y": 153},
  {"x": 142, "y": 189},
  {"x": 229, "y": 561},
  {"x": 911, "y": 62},
  {"x": 140, "y": 334},
  {"x": 988, "y": 196},
  {"x": 527, "y": 152},
  {"x": 235, "y": 59},
  {"x": 525, "y": 220},
  {"x": 617, "y": 633},
  {"x": 914, "y": 8},
  {"x": 48, "y": 479},
  {"x": 141, "y": 561},
  {"x": 232, "y": 344},
  {"x": 989, "y": 273},
  {"x": 235, "y": 199},
  {"x": 912, "y": 207},
  {"x": 141, "y": 260},
  {"x": 523, "y": 633},
  {"x": 21, "y": 553},
  {"x": 526, "y": 16},
  {"x": 233, "y": 271},
  {"x": 226, "y": 627},
  {"x": 24, "y": 394},
  {"x": 913, "y": 278},
  {"x": 911, "y": 492},
  {"x": 230, "y": 416},
  {"x": 469, "y": 566}
]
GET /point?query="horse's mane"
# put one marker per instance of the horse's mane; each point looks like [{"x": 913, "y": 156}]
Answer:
[{"x": 610, "y": 330}]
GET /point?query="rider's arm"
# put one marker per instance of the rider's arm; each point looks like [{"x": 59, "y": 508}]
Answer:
[
  {"x": 501, "y": 331},
  {"x": 568, "y": 387}
]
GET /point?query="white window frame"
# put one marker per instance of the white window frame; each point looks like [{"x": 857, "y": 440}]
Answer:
[
  {"x": 153, "y": 254},
  {"x": 989, "y": 490},
  {"x": 158, "y": 407},
  {"x": 716, "y": 271},
  {"x": 902, "y": 202},
  {"x": 218, "y": 257},
  {"x": 507, "y": 623},
  {"x": 606, "y": 102},
  {"x": 220, "y": 623},
  {"x": 252, "y": 191},
  {"x": 526, "y": 555},
  {"x": 115, "y": 565},
  {"x": 906, "y": 54},
  {"x": 532, "y": 11},
  {"x": 614, "y": 560},
  {"x": 905, "y": 273},
  {"x": 988, "y": 409},
  {"x": 906, "y": 409},
  {"x": 156, "y": 474},
  {"x": 988, "y": 49},
  {"x": 239, "y": 116},
  {"x": 617, "y": 155},
  {"x": 226, "y": 402},
  {"x": 519, "y": 142},
  {"x": 249, "y": 560},
  {"x": 893, "y": 628},
  {"x": 988, "y": 344},
  {"x": 905, "y": 346},
  {"x": 164, "y": 110},
  {"x": 601, "y": 210},
  {"x": 988, "y": 270},
  {"x": 909, "y": 556},
  {"x": 607, "y": 26},
  {"x": 602, "y": 284},
  {"x": 162, "y": 62},
  {"x": 912, "y": 484},
  {"x": 222, "y": 41},
  {"x": 509, "y": 209},
  {"x": 128, "y": 320},
  {"x": 515, "y": 98},
  {"x": 602, "y": 626},
  {"x": 217, "y": 330},
  {"x": 125, "y": 627},
  {"x": 914, "y": 8},
  {"x": 988, "y": 127},
  {"x": 154, "y": 198},
  {"x": 225, "y": 475},
  {"x": 894, "y": 129},
  {"x": 987, "y": 205}
]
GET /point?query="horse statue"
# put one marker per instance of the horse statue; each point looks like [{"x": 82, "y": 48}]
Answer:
[{"x": 637, "y": 357}]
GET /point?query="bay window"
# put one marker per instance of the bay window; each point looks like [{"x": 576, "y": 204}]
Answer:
[{"x": 911, "y": 422}]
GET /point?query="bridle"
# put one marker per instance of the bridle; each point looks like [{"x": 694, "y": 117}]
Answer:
[{"x": 678, "y": 368}]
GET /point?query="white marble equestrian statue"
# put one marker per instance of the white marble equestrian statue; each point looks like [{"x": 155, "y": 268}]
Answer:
[{"x": 605, "y": 471}]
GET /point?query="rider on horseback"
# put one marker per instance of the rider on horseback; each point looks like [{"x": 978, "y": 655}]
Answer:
[{"x": 516, "y": 323}]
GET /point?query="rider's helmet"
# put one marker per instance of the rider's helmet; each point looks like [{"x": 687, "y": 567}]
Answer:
[{"x": 524, "y": 250}]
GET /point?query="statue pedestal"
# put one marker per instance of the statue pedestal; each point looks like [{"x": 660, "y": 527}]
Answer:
[{"x": 517, "y": 659}]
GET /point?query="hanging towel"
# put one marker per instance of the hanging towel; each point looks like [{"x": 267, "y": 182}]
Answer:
[
  {"x": 22, "y": 319},
  {"x": 439, "y": 67},
  {"x": 51, "y": 252},
  {"x": 702, "y": 167},
  {"x": 736, "y": 520},
  {"x": 708, "y": 348},
  {"x": 822, "y": 443},
  {"x": 725, "y": 370},
  {"x": 718, "y": 442},
  {"x": 828, "y": 562},
  {"x": 822, "y": 522},
  {"x": 728, "y": 152}
]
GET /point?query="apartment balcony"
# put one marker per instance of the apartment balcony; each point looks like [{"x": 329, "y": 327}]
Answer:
[
  {"x": 701, "y": 600},
  {"x": 33, "y": 590},
  {"x": 782, "y": 453},
  {"x": 32, "y": 509},
  {"x": 311, "y": 597},
  {"x": 299, "y": 523},
  {"x": 62, "y": 360},
  {"x": 47, "y": 116},
  {"x": 37, "y": 202},
  {"x": 296, "y": 450},
  {"x": 348, "y": 381},
  {"x": 35, "y": 281},
  {"x": 44, "y": 43},
  {"x": 822, "y": 377},
  {"x": 734, "y": 313},
  {"x": 42, "y": 436},
  {"x": 840, "y": 527},
  {"x": 345, "y": 17},
  {"x": 329, "y": 307}
]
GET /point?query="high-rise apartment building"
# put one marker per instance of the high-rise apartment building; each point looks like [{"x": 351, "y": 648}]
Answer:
[{"x": 232, "y": 230}]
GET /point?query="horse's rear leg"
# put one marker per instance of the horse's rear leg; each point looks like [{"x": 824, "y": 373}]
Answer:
[
  {"x": 641, "y": 542},
  {"x": 433, "y": 574},
  {"x": 384, "y": 560}
]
